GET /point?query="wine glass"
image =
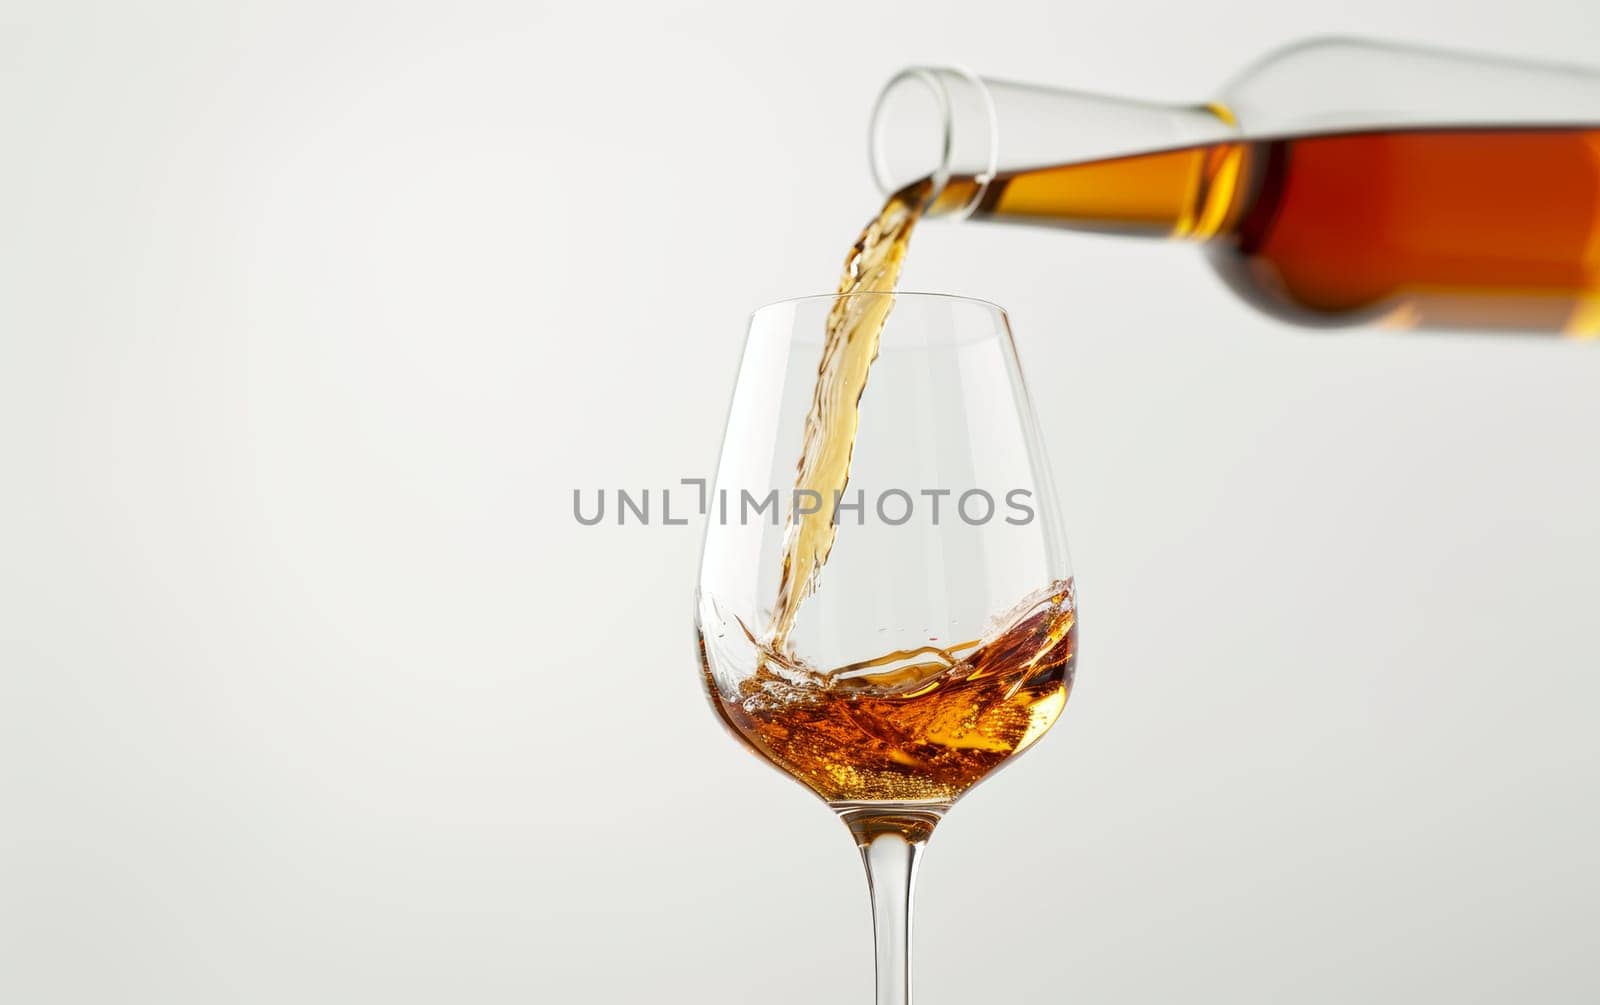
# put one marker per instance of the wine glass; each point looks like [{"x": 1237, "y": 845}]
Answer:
[{"x": 893, "y": 641}]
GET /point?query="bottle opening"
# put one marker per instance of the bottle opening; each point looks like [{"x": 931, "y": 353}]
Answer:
[
  {"x": 911, "y": 131},
  {"x": 933, "y": 122}
]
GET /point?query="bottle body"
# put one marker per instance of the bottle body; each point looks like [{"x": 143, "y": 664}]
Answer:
[
  {"x": 1453, "y": 228},
  {"x": 1407, "y": 218}
]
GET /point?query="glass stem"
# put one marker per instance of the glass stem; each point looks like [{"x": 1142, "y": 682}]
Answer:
[
  {"x": 891, "y": 842},
  {"x": 891, "y": 874}
]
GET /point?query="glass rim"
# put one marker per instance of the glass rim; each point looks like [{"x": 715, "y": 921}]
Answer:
[{"x": 913, "y": 294}]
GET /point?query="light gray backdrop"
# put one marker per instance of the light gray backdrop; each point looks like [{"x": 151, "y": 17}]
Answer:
[{"x": 312, "y": 315}]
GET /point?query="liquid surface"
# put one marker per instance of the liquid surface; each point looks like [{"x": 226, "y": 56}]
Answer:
[
  {"x": 1485, "y": 228},
  {"x": 918, "y": 726}
]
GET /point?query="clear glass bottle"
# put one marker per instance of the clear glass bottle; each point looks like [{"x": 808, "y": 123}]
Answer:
[{"x": 1334, "y": 182}]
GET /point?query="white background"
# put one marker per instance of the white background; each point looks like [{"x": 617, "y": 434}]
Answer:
[{"x": 313, "y": 315}]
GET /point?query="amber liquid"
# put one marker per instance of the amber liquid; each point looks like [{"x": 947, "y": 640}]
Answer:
[
  {"x": 912, "y": 728},
  {"x": 917, "y": 727},
  {"x": 1487, "y": 228}
]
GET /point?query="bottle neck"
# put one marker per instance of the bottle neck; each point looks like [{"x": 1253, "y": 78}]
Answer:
[
  {"x": 973, "y": 136},
  {"x": 1192, "y": 192}
]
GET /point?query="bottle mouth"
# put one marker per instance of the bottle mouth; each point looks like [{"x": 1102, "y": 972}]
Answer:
[{"x": 935, "y": 123}]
